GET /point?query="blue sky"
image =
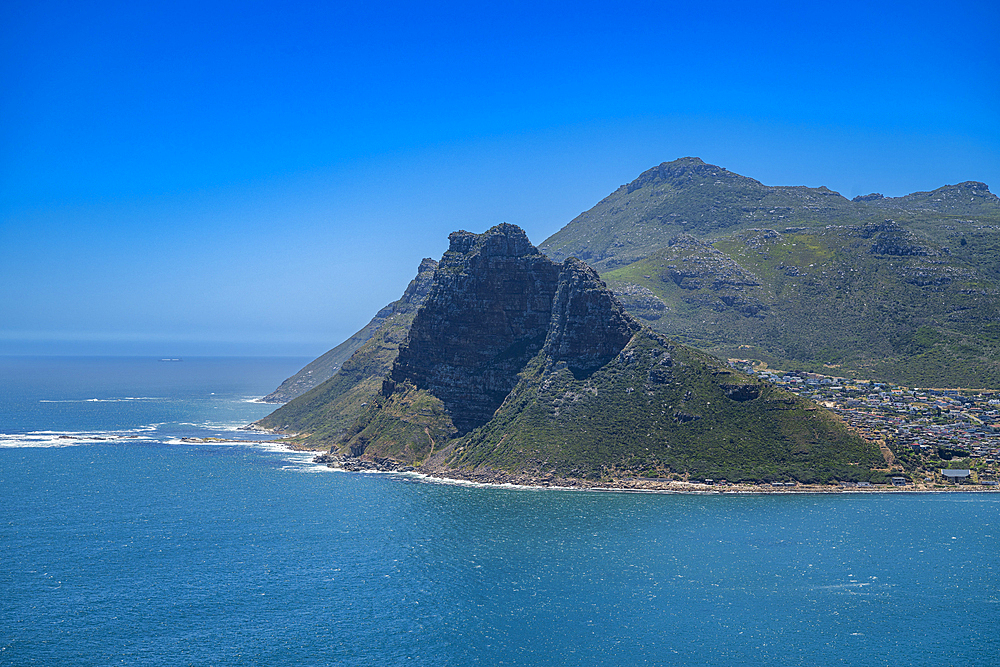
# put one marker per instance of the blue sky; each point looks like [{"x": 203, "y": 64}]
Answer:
[{"x": 261, "y": 177}]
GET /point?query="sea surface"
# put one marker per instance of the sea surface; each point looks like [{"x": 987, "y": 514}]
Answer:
[{"x": 120, "y": 543}]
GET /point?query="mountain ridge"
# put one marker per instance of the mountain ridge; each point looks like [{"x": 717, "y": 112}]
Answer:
[{"x": 765, "y": 268}]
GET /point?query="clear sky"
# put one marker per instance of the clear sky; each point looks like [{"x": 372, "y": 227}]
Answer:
[{"x": 181, "y": 178}]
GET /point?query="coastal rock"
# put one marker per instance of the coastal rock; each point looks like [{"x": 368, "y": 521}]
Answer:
[{"x": 518, "y": 368}]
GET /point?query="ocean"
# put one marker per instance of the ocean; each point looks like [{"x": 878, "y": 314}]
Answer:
[{"x": 123, "y": 543}]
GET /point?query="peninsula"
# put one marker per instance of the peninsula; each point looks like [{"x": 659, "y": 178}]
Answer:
[{"x": 517, "y": 368}]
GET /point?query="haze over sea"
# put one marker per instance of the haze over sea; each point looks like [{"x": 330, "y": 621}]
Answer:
[{"x": 121, "y": 543}]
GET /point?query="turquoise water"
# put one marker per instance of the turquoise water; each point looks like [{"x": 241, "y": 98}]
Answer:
[{"x": 149, "y": 551}]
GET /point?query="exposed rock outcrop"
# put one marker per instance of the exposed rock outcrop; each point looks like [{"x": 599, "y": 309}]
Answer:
[
  {"x": 486, "y": 315},
  {"x": 588, "y": 326}
]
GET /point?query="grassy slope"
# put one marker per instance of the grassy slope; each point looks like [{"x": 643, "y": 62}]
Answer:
[
  {"x": 825, "y": 299},
  {"x": 323, "y": 367},
  {"x": 406, "y": 426},
  {"x": 619, "y": 421},
  {"x": 322, "y": 415}
]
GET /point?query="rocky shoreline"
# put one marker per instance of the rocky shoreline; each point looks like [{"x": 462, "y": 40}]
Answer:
[{"x": 634, "y": 485}]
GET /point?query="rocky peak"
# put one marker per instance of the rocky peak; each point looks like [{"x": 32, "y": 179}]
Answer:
[
  {"x": 495, "y": 302},
  {"x": 418, "y": 288},
  {"x": 503, "y": 240},
  {"x": 967, "y": 198},
  {"x": 976, "y": 187},
  {"x": 427, "y": 264},
  {"x": 682, "y": 172}
]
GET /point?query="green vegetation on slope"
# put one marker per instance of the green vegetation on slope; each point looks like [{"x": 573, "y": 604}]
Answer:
[
  {"x": 687, "y": 196},
  {"x": 603, "y": 397},
  {"x": 322, "y": 415},
  {"x": 660, "y": 409},
  {"x": 834, "y": 296},
  {"x": 405, "y": 426},
  {"x": 802, "y": 277}
]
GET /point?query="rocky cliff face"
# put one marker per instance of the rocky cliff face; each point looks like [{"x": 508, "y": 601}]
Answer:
[
  {"x": 486, "y": 315},
  {"x": 588, "y": 326}
]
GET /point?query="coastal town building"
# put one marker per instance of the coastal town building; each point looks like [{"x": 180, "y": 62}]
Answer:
[{"x": 928, "y": 430}]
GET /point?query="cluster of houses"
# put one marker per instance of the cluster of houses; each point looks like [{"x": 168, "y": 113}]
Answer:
[{"x": 930, "y": 431}]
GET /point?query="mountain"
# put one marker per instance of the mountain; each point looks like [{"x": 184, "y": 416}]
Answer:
[
  {"x": 396, "y": 314},
  {"x": 903, "y": 289},
  {"x": 518, "y": 367}
]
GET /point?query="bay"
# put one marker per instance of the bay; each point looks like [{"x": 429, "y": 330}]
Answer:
[{"x": 151, "y": 550}]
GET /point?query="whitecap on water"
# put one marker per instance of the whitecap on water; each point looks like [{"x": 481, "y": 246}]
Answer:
[
  {"x": 69, "y": 438},
  {"x": 122, "y": 399}
]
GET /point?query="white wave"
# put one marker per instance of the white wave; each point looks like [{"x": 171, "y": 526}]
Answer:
[
  {"x": 277, "y": 446},
  {"x": 102, "y": 433},
  {"x": 429, "y": 479},
  {"x": 35, "y": 440},
  {"x": 308, "y": 467},
  {"x": 67, "y": 438},
  {"x": 202, "y": 441},
  {"x": 264, "y": 445},
  {"x": 853, "y": 584},
  {"x": 122, "y": 399}
]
